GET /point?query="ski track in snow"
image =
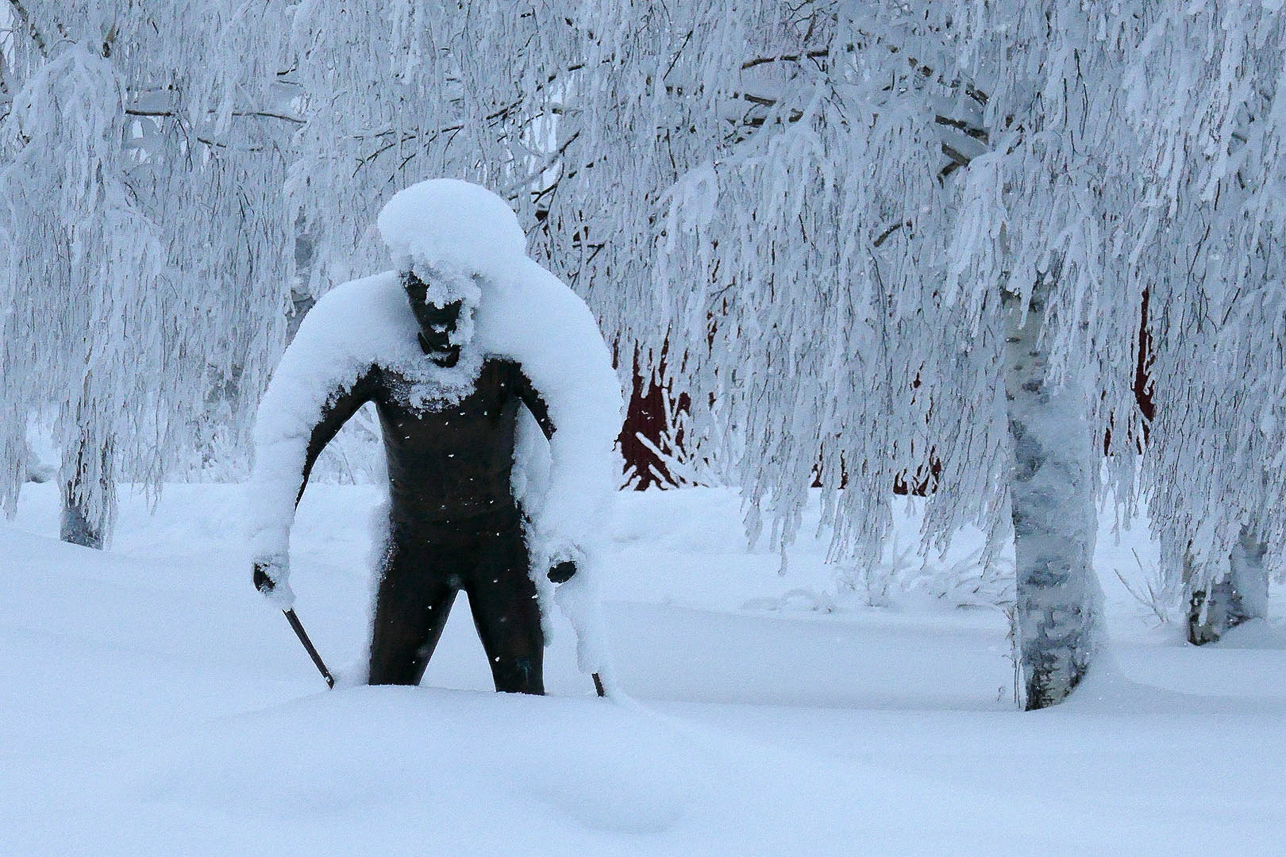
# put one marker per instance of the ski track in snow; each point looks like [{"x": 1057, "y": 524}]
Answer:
[{"x": 154, "y": 705}]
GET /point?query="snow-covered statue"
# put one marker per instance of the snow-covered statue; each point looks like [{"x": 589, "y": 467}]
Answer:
[{"x": 499, "y": 409}]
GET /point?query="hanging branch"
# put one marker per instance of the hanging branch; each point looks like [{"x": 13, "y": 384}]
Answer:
[{"x": 25, "y": 18}]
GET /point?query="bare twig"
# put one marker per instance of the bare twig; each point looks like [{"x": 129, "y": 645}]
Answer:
[
  {"x": 884, "y": 236},
  {"x": 955, "y": 155},
  {"x": 260, "y": 114},
  {"x": 758, "y": 61},
  {"x": 962, "y": 126}
]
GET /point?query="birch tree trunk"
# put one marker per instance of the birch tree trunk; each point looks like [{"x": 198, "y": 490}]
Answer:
[
  {"x": 1241, "y": 595},
  {"x": 89, "y": 495},
  {"x": 1052, "y": 498}
]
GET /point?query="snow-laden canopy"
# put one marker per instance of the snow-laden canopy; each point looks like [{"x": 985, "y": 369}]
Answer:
[{"x": 141, "y": 163}]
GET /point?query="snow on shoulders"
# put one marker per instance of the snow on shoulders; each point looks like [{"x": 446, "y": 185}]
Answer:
[
  {"x": 352, "y": 327},
  {"x": 344, "y": 335},
  {"x": 357, "y": 320},
  {"x": 532, "y": 316}
]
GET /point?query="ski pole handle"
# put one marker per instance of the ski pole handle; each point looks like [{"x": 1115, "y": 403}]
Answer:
[{"x": 308, "y": 644}]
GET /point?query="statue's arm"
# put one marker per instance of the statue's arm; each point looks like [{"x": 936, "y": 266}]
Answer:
[
  {"x": 535, "y": 403},
  {"x": 339, "y": 409},
  {"x": 563, "y": 568},
  {"x": 294, "y": 426}
]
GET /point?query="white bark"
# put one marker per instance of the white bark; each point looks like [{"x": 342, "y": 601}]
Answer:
[
  {"x": 88, "y": 497},
  {"x": 1052, "y": 494},
  {"x": 1225, "y": 598},
  {"x": 1249, "y": 576}
]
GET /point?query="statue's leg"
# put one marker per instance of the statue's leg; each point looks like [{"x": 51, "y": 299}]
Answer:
[
  {"x": 411, "y": 608},
  {"x": 505, "y": 611}
]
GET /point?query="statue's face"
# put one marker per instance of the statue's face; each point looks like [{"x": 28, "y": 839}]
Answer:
[{"x": 437, "y": 323}]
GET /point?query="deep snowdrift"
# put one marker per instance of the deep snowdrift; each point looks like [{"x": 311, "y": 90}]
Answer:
[{"x": 152, "y": 704}]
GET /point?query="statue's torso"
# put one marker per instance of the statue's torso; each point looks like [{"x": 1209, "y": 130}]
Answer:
[{"x": 451, "y": 460}]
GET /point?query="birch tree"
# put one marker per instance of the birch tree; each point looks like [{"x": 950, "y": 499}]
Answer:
[
  {"x": 911, "y": 240},
  {"x": 1205, "y": 96},
  {"x": 139, "y": 179},
  {"x": 1072, "y": 190}
]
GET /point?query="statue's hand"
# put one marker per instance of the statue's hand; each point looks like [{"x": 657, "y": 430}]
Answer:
[
  {"x": 270, "y": 579},
  {"x": 562, "y": 572},
  {"x": 263, "y": 582}
]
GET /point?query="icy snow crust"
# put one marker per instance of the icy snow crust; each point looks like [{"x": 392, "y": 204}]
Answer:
[{"x": 462, "y": 236}]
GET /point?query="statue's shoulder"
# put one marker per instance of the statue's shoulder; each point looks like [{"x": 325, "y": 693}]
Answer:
[
  {"x": 368, "y": 316},
  {"x": 521, "y": 317},
  {"x": 364, "y": 297}
]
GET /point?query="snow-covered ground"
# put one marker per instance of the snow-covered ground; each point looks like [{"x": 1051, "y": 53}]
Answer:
[{"x": 151, "y": 703}]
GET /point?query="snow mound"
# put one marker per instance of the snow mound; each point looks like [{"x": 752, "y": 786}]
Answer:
[
  {"x": 1255, "y": 634},
  {"x": 192, "y": 723},
  {"x": 454, "y": 224}
]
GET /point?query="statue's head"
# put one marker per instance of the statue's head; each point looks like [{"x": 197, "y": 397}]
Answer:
[
  {"x": 439, "y": 310},
  {"x": 450, "y": 241},
  {"x": 452, "y": 224}
]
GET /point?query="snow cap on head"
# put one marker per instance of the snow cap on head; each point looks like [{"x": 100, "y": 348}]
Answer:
[{"x": 452, "y": 223}]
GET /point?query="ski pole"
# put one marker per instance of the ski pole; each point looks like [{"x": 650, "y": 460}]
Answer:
[
  {"x": 308, "y": 644},
  {"x": 598, "y": 685}
]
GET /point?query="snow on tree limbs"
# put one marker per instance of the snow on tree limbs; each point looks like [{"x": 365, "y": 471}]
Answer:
[
  {"x": 815, "y": 204},
  {"x": 140, "y": 178}
]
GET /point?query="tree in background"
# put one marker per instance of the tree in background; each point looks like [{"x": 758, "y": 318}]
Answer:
[
  {"x": 977, "y": 198},
  {"x": 884, "y": 239},
  {"x": 816, "y": 253},
  {"x": 140, "y": 172},
  {"x": 1205, "y": 98}
]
